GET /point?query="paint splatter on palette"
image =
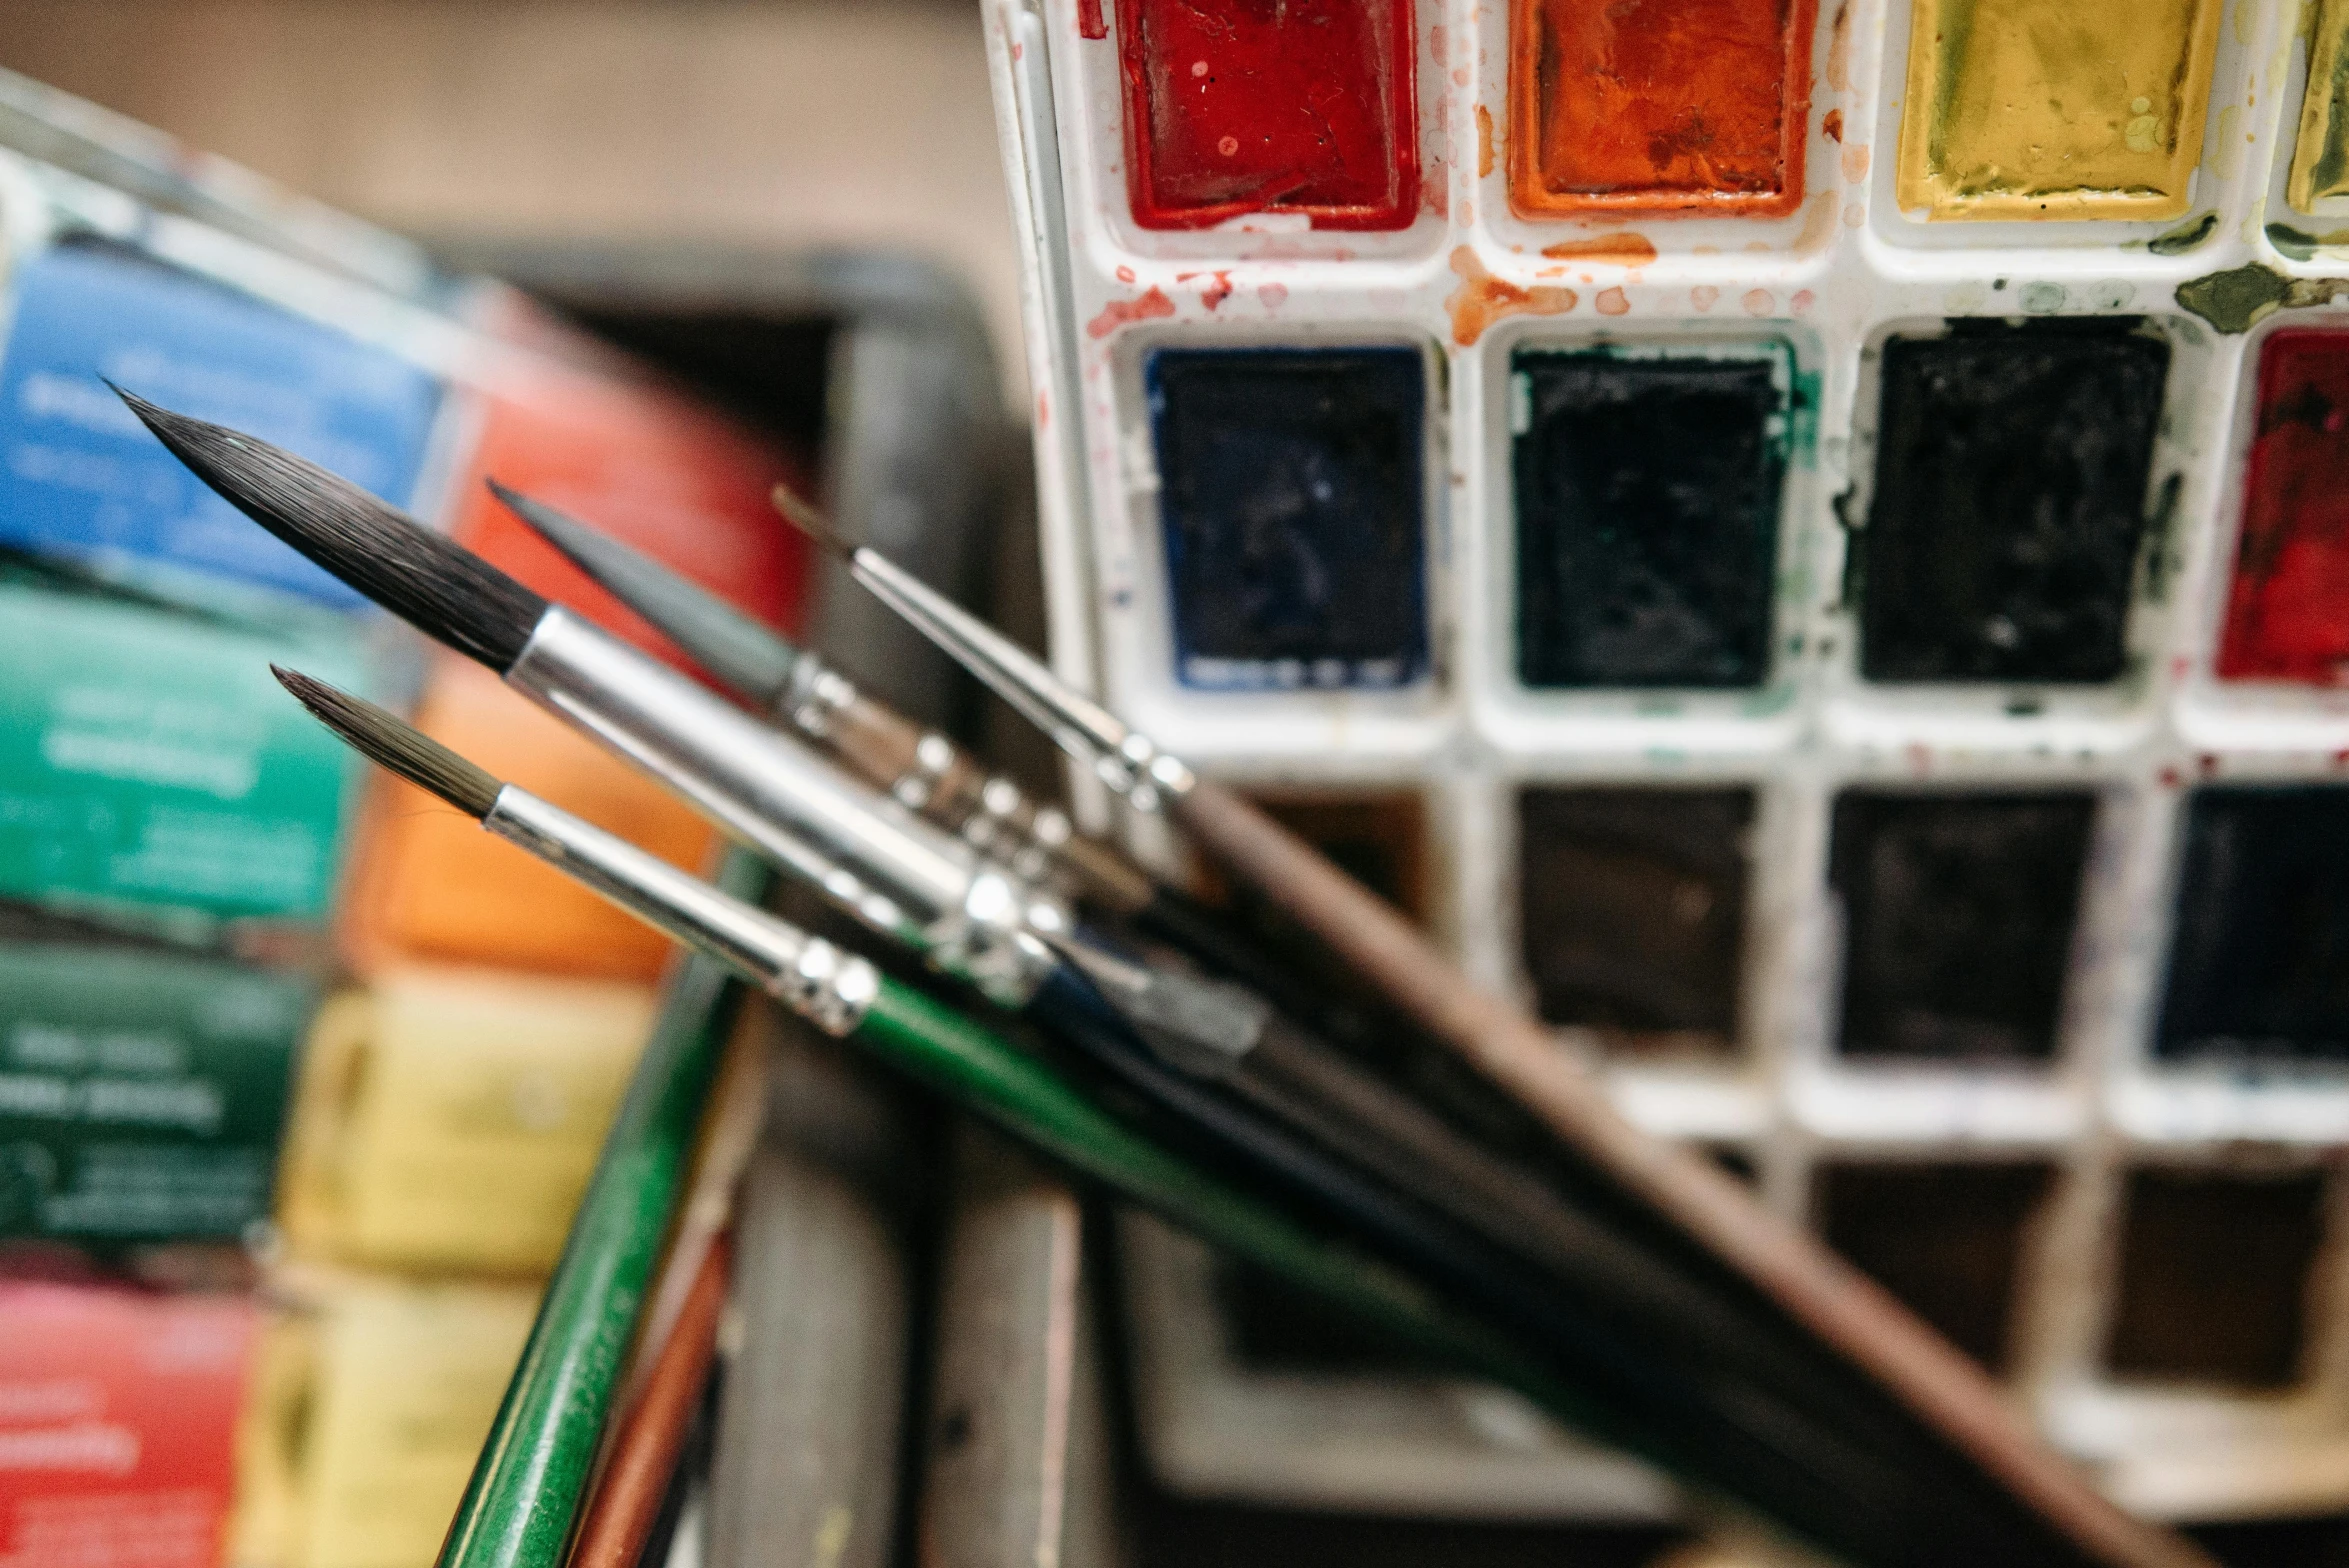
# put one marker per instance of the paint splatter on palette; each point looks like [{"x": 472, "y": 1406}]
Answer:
[{"x": 1834, "y": 512}]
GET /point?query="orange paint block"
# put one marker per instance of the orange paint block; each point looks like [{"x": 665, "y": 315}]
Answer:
[
  {"x": 432, "y": 884},
  {"x": 1688, "y": 106}
]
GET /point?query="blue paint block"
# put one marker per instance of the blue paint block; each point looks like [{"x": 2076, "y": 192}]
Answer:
[
  {"x": 1293, "y": 493},
  {"x": 80, "y": 476}
]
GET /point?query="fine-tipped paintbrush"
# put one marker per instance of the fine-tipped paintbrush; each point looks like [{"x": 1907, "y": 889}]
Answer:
[
  {"x": 847, "y": 997},
  {"x": 918, "y": 886},
  {"x": 1785, "y": 1265},
  {"x": 1868, "y": 1512},
  {"x": 1808, "y": 1462},
  {"x": 920, "y": 767}
]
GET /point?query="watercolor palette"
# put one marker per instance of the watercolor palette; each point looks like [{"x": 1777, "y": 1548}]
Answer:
[{"x": 1825, "y": 516}]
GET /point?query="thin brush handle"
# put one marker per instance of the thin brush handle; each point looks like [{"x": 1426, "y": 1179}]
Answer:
[
  {"x": 628, "y": 1499},
  {"x": 1836, "y": 1301}
]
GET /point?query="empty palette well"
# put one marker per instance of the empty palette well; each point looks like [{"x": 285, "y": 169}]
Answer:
[
  {"x": 1235, "y": 107},
  {"x": 2288, "y": 606},
  {"x": 2214, "y": 1276},
  {"x": 1648, "y": 493},
  {"x": 2010, "y": 496},
  {"x": 1658, "y": 105},
  {"x": 2259, "y": 964},
  {"x": 1957, "y": 915},
  {"x": 2050, "y": 109},
  {"x": 1291, "y": 485},
  {"x": 1946, "y": 1239},
  {"x": 1633, "y": 913}
]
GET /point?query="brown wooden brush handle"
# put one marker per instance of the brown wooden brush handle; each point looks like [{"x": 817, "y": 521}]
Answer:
[
  {"x": 644, "y": 1454},
  {"x": 1832, "y": 1299},
  {"x": 949, "y": 786}
]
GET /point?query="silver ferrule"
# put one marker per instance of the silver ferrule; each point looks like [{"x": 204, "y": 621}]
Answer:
[
  {"x": 815, "y": 693},
  {"x": 830, "y": 988},
  {"x": 1128, "y": 762},
  {"x": 873, "y": 857}
]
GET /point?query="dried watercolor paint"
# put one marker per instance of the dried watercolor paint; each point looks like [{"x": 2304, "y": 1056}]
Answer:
[
  {"x": 2012, "y": 471},
  {"x": 1647, "y": 517},
  {"x": 1633, "y": 913},
  {"x": 1958, "y": 913},
  {"x": 2288, "y": 606},
  {"x": 1292, "y": 490},
  {"x": 1239, "y": 106},
  {"x": 2320, "y": 156},
  {"x": 2259, "y": 964},
  {"x": 1658, "y": 106},
  {"x": 1947, "y": 1239},
  {"x": 2214, "y": 1276},
  {"x": 2053, "y": 109}
]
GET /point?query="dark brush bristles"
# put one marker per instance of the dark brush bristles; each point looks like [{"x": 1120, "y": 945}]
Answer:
[
  {"x": 442, "y": 589},
  {"x": 804, "y": 517},
  {"x": 395, "y": 744}
]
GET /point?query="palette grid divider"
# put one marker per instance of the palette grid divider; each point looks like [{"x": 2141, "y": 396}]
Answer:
[{"x": 1467, "y": 285}]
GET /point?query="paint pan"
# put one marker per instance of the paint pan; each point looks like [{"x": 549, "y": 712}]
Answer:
[
  {"x": 1948, "y": 1239},
  {"x": 1306, "y": 107},
  {"x": 1958, "y": 913},
  {"x": 2214, "y": 1276},
  {"x": 1658, "y": 106},
  {"x": 2288, "y": 606},
  {"x": 369, "y": 1407},
  {"x": 2320, "y": 154},
  {"x": 1291, "y": 490},
  {"x": 430, "y": 885},
  {"x": 148, "y": 758},
  {"x": 1647, "y": 516},
  {"x": 2011, "y": 476},
  {"x": 79, "y": 476},
  {"x": 1632, "y": 920},
  {"x": 121, "y": 1423},
  {"x": 2259, "y": 962},
  {"x": 434, "y": 1087},
  {"x": 144, "y": 1090},
  {"x": 2040, "y": 109}
]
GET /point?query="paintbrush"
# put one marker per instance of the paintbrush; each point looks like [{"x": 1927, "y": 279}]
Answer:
[
  {"x": 1808, "y": 1466},
  {"x": 1871, "y": 1513},
  {"x": 919, "y": 887},
  {"x": 847, "y": 997},
  {"x": 918, "y": 766},
  {"x": 1782, "y": 1263}
]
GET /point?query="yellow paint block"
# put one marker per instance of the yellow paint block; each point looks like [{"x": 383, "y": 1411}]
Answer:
[
  {"x": 448, "y": 1120},
  {"x": 2056, "y": 110},
  {"x": 370, "y": 1404},
  {"x": 2320, "y": 158}
]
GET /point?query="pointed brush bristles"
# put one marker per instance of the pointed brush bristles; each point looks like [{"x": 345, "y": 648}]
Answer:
[
  {"x": 441, "y": 588},
  {"x": 802, "y": 515},
  {"x": 395, "y": 744},
  {"x": 737, "y": 650}
]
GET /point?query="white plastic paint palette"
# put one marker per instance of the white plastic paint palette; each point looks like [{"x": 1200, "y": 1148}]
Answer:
[{"x": 1810, "y": 630}]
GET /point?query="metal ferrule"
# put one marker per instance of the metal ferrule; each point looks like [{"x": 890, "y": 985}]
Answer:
[
  {"x": 876, "y": 859},
  {"x": 830, "y": 988},
  {"x": 1128, "y": 762},
  {"x": 816, "y": 693}
]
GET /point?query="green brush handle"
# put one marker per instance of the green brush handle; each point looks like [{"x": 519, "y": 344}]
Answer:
[
  {"x": 985, "y": 1074},
  {"x": 532, "y": 1475}
]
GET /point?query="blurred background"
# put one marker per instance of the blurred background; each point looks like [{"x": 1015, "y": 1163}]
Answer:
[{"x": 793, "y": 214}]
